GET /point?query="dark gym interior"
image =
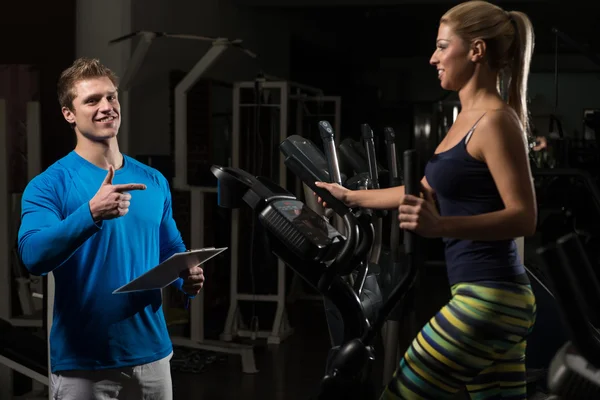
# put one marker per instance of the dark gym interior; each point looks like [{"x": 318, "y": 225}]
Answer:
[{"x": 349, "y": 62}]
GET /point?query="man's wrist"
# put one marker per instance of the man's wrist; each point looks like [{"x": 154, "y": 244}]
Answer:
[{"x": 95, "y": 217}]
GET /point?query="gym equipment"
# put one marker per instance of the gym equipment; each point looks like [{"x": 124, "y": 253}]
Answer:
[
  {"x": 20, "y": 350},
  {"x": 193, "y": 360},
  {"x": 24, "y": 352},
  {"x": 289, "y": 100},
  {"x": 392, "y": 326},
  {"x": 335, "y": 321},
  {"x": 146, "y": 38},
  {"x": 575, "y": 370},
  {"x": 322, "y": 256},
  {"x": 361, "y": 161},
  {"x": 366, "y": 279},
  {"x": 336, "y": 369},
  {"x": 558, "y": 210},
  {"x": 196, "y": 338},
  {"x": 10, "y": 205}
]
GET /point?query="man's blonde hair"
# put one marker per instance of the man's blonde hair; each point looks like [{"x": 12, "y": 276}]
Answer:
[{"x": 81, "y": 69}]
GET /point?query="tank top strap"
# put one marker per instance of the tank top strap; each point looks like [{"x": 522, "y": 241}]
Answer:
[{"x": 470, "y": 132}]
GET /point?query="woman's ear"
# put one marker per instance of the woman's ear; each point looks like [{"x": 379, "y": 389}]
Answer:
[{"x": 478, "y": 49}]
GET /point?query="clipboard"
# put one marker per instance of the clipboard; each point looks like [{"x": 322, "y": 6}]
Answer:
[{"x": 168, "y": 271}]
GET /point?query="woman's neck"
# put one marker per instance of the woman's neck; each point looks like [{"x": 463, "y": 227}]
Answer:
[{"x": 479, "y": 90}]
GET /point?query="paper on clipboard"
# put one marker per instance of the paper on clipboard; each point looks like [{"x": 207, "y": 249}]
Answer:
[{"x": 168, "y": 271}]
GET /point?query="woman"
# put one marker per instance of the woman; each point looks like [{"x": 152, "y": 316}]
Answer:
[{"x": 481, "y": 180}]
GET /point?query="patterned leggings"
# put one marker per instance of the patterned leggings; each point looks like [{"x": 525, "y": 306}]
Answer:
[{"x": 477, "y": 340}]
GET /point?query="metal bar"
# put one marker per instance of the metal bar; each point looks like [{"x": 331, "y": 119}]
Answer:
[
  {"x": 276, "y": 334},
  {"x": 313, "y": 98},
  {"x": 197, "y": 242},
  {"x": 278, "y": 84},
  {"x": 5, "y": 251},
  {"x": 34, "y": 140},
  {"x": 137, "y": 59},
  {"x": 577, "y": 46},
  {"x": 24, "y": 370},
  {"x": 204, "y": 189},
  {"x": 180, "y": 180},
  {"x": 390, "y": 345},
  {"x": 235, "y": 216},
  {"x": 256, "y": 297},
  {"x": 6, "y": 375},
  {"x": 338, "y": 120},
  {"x": 260, "y": 105}
]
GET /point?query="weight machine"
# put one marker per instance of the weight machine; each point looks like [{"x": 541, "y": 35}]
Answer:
[
  {"x": 14, "y": 359},
  {"x": 196, "y": 338},
  {"x": 282, "y": 94},
  {"x": 286, "y": 97}
]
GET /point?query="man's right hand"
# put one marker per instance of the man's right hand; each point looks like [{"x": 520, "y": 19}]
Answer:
[
  {"x": 337, "y": 191},
  {"x": 112, "y": 201}
]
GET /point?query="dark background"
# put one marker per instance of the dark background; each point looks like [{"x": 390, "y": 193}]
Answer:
[{"x": 373, "y": 54}]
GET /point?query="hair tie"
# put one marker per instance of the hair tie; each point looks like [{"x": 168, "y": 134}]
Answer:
[{"x": 511, "y": 19}]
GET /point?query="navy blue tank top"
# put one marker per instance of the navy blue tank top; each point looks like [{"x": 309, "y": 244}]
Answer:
[{"x": 464, "y": 186}]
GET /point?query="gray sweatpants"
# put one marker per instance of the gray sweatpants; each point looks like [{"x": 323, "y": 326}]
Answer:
[{"x": 150, "y": 381}]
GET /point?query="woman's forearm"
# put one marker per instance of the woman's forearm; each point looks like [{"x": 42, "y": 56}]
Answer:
[{"x": 380, "y": 199}]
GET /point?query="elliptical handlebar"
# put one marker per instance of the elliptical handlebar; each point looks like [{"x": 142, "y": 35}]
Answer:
[
  {"x": 301, "y": 155},
  {"x": 330, "y": 151},
  {"x": 394, "y": 181},
  {"x": 412, "y": 187},
  {"x": 390, "y": 141},
  {"x": 411, "y": 181},
  {"x": 366, "y": 236},
  {"x": 367, "y": 136}
]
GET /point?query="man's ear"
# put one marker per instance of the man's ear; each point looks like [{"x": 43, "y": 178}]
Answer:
[
  {"x": 69, "y": 115},
  {"x": 478, "y": 50}
]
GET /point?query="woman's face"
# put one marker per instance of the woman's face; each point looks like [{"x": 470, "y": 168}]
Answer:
[{"x": 452, "y": 59}]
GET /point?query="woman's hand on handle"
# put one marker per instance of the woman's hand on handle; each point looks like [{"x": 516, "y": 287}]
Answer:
[
  {"x": 420, "y": 214},
  {"x": 337, "y": 191},
  {"x": 376, "y": 199}
]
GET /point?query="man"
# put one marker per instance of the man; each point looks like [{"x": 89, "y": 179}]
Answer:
[{"x": 98, "y": 219}]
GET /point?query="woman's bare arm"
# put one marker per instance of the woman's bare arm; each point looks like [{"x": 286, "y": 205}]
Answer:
[{"x": 380, "y": 199}]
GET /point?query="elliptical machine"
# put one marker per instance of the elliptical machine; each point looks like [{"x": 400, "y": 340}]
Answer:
[
  {"x": 359, "y": 169},
  {"x": 361, "y": 162},
  {"x": 323, "y": 257},
  {"x": 575, "y": 369}
]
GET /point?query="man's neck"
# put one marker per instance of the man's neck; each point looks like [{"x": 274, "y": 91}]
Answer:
[{"x": 101, "y": 154}]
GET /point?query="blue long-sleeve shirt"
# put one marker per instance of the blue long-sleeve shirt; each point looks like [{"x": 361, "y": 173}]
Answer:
[{"x": 93, "y": 328}]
